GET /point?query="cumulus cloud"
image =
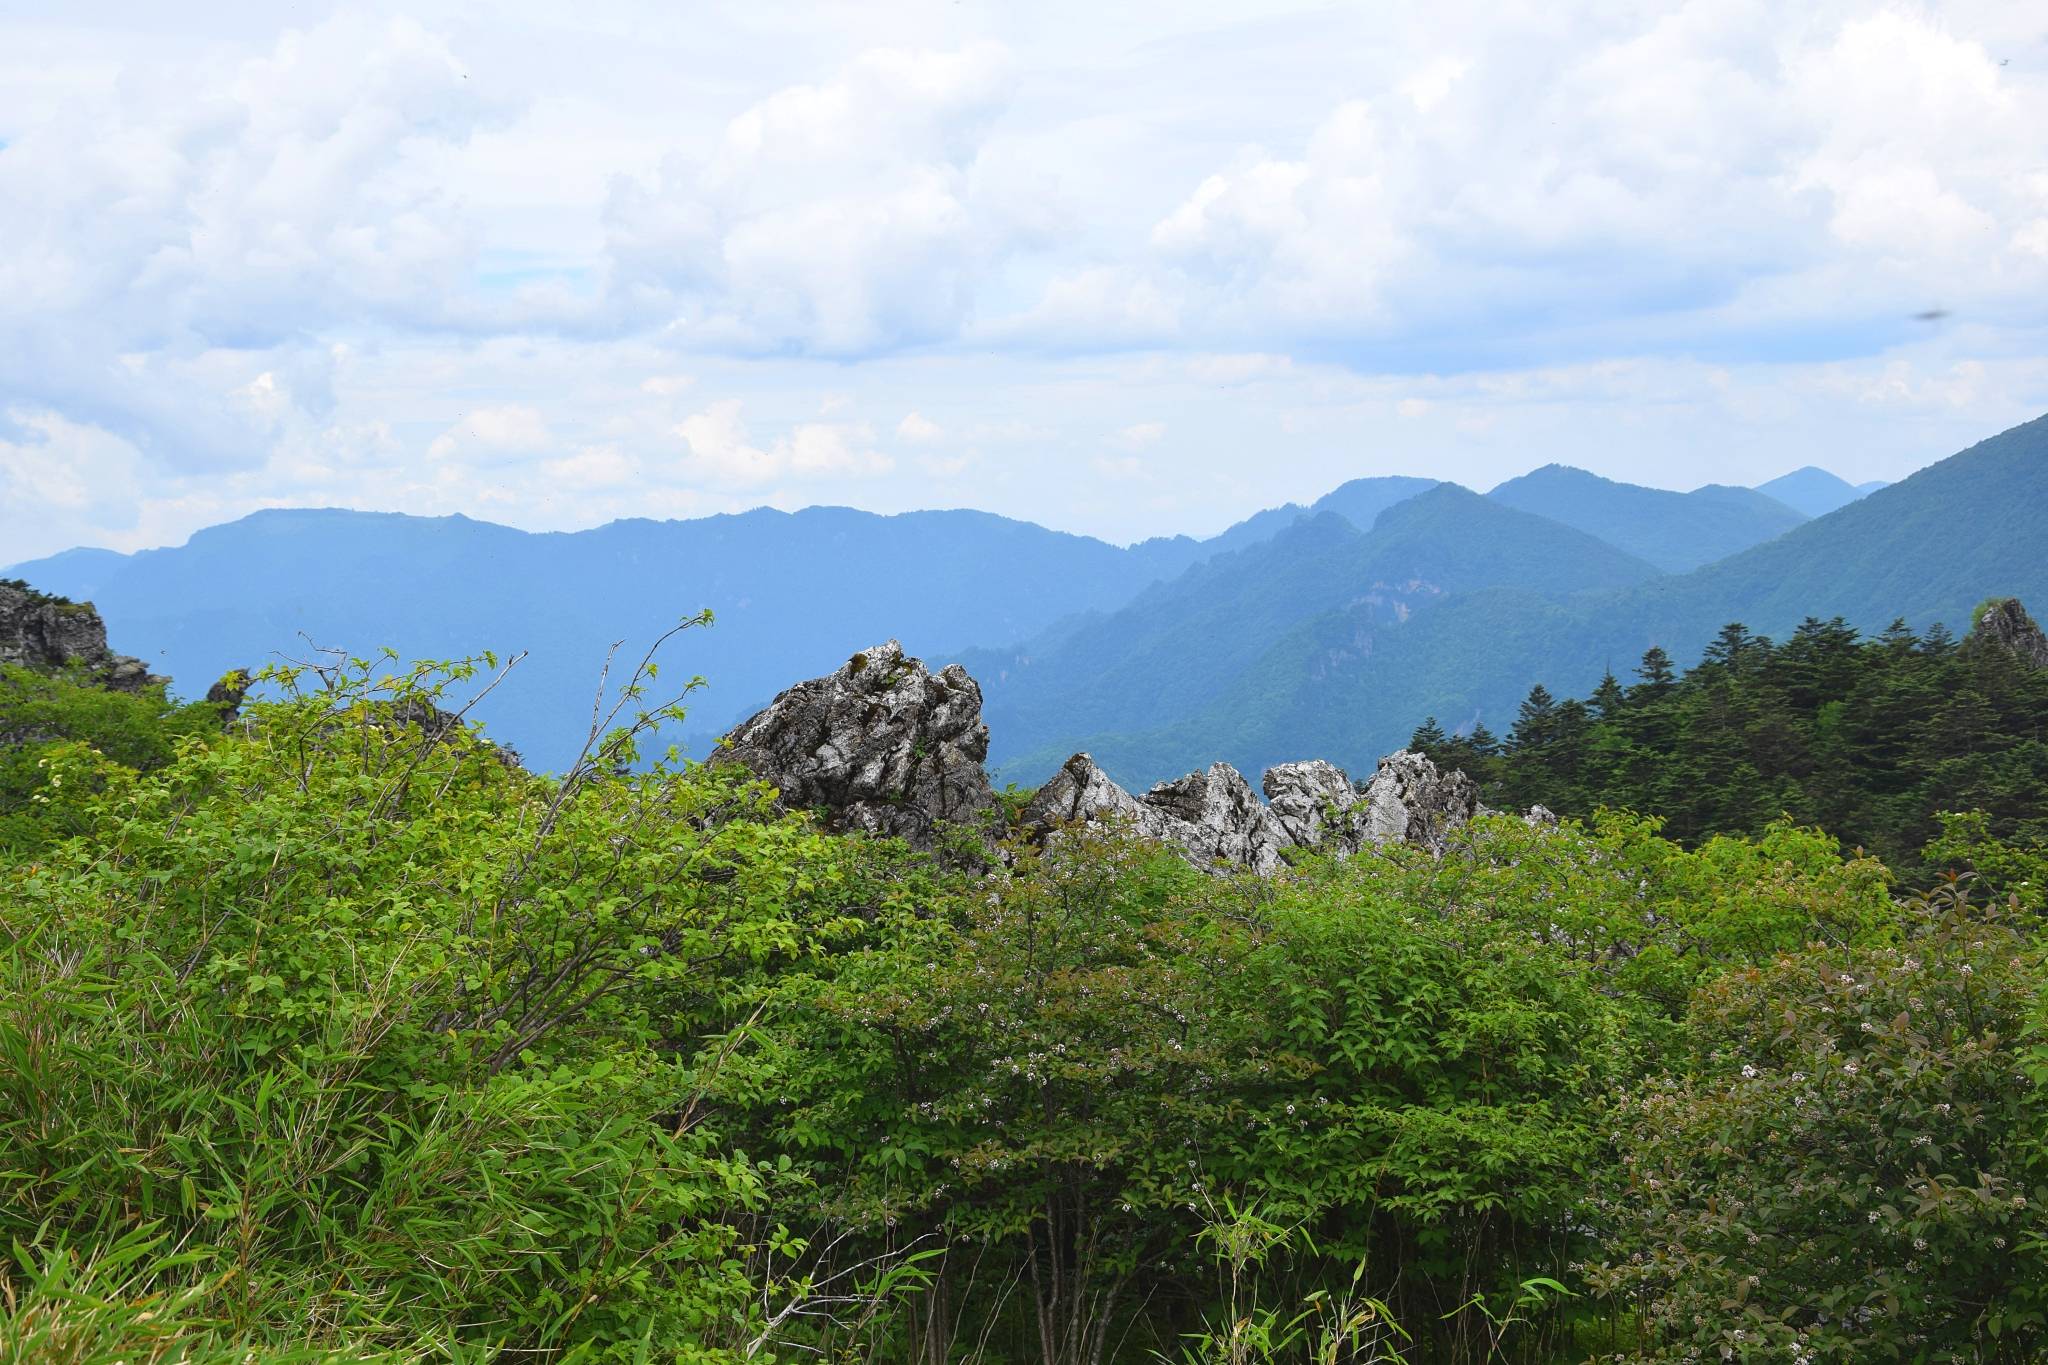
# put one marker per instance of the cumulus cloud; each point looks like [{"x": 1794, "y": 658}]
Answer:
[
  {"x": 839, "y": 218},
  {"x": 594, "y": 467},
  {"x": 235, "y": 208},
  {"x": 1697, "y": 173},
  {"x": 917, "y": 427},
  {"x": 511, "y": 429},
  {"x": 1141, "y": 434},
  {"x": 722, "y": 453},
  {"x": 248, "y": 267}
]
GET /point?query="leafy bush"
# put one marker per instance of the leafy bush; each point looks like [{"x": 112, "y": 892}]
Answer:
[
  {"x": 1850, "y": 1165},
  {"x": 54, "y": 728},
  {"x": 393, "y": 1041}
]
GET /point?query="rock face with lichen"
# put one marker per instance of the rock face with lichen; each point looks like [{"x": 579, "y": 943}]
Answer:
[
  {"x": 2006, "y": 623},
  {"x": 54, "y": 635},
  {"x": 883, "y": 746}
]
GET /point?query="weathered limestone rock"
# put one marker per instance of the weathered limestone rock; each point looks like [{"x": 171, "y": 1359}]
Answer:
[
  {"x": 1217, "y": 818},
  {"x": 1213, "y": 817},
  {"x": 1409, "y": 799},
  {"x": 53, "y": 634},
  {"x": 884, "y": 745},
  {"x": 1311, "y": 802},
  {"x": 2005, "y": 622},
  {"x": 229, "y": 692},
  {"x": 1080, "y": 790}
]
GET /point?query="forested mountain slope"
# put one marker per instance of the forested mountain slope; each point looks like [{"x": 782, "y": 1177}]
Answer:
[
  {"x": 1188, "y": 640},
  {"x": 1342, "y": 685},
  {"x": 1674, "y": 531},
  {"x": 1871, "y": 739}
]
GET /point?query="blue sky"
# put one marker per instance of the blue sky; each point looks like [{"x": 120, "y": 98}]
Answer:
[{"x": 1122, "y": 270}]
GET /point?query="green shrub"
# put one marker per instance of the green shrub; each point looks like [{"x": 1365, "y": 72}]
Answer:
[
  {"x": 1849, "y": 1164},
  {"x": 394, "y": 1042}
]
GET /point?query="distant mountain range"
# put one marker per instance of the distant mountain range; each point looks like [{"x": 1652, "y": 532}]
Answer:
[
  {"x": 794, "y": 594},
  {"x": 1340, "y": 683},
  {"x": 1331, "y": 626},
  {"x": 1816, "y": 492},
  {"x": 1674, "y": 531}
]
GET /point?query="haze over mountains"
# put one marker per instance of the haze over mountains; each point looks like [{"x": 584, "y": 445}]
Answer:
[
  {"x": 1815, "y": 492},
  {"x": 1332, "y": 628}
]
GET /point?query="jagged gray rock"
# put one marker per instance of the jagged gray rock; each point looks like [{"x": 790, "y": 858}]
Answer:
[
  {"x": 884, "y": 745},
  {"x": 2005, "y": 622},
  {"x": 1311, "y": 803},
  {"x": 1218, "y": 819},
  {"x": 54, "y": 634},
  {"x": 1081, "y": 791},
  {"x": 1411, "y": 800},
  {"x": 1214, "y": 817}
]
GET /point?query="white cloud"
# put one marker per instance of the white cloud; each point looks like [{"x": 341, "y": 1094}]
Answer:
[
  {"x": 722, "y": 452},
  {"x": 667, "y": 385},
  {"x": 946, "y": 466},
  {"x": 594, "y": 467},
  {"x": 916, "y": 427},
  {"x": 1141, "y": 434},
  {"x": 840, "y": 217},
  {"x": 511, "y": 429},
  {"x": 1713, "y": 166}
]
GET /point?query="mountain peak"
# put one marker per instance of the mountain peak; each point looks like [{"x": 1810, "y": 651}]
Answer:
[
  {"x": 1815, "y": 491},
  {"x": 1674, "y": 531}
]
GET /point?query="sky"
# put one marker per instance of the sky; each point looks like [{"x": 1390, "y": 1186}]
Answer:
[{"x": 1121, "y": 270}]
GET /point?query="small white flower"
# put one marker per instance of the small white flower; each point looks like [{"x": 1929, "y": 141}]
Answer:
[{"x": 1748, "y": 1073}]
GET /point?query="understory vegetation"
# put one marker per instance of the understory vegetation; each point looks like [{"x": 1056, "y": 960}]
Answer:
[{"x": 332, "y": 1034}]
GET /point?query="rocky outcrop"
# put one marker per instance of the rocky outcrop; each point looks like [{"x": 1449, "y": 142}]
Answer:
[
  {"x": 1081, "y": 791},
  {"x": 229, "y": 692},
  {"x": 884, "y": 746},
  {"x": 2005, "y": 623},
  {"x": 55, "y": 635},
  {"x": 1412, "y": 801},
  {"x": 1214, "y": 817},
  {"x": 1312, "y": 803}
]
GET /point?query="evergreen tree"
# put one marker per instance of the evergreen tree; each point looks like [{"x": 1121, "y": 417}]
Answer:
[
  {"x": 1868, "y": 739},
  {"x": 1656, "y": 673}
]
